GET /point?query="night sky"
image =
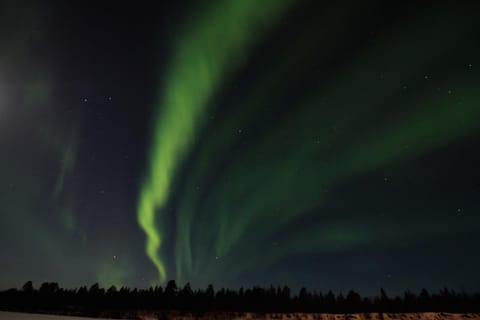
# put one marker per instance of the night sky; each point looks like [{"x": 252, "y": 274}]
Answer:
[{"x": 326, "y": 144}]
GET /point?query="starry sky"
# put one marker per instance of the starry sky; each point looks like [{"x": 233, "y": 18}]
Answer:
[{"x": 332, "y": 145}]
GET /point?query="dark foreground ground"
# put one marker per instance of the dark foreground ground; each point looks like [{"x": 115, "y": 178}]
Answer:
[{"x": 279, "y": 316}]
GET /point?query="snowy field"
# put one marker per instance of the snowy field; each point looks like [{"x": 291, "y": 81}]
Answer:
[
  {"x": 33, "y": 316},
  {"x": 251, "y": 316}
]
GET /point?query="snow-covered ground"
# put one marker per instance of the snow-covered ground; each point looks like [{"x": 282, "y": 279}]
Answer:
[
  {"x": 271, "y": 316},
  {"x": 34, "y": 316}
]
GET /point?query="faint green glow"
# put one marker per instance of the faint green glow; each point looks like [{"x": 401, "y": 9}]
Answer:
[
  {"x": 112, "y": 272},
  {"x": 212, "y": 47},
  {"x": 68, "y": 160}
]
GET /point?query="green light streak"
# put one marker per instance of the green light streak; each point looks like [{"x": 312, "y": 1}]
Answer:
[
  {"x": 212, "y": 47},
  {"x": 146, "y": 219}
]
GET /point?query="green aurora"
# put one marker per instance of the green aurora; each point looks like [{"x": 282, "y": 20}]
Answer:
[
  {"x": 326, "y": 145},
  {"x": 337, "y": 130},
  {"x": 202, "y": 61}
]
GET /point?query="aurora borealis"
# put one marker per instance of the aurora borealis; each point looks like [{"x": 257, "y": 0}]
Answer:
[
  {"x": 201, "y": 59},
  {"x": 327, "y": 145}
]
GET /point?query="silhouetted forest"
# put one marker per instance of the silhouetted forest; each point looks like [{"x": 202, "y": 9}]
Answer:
[{"x": 49, "y": 297}]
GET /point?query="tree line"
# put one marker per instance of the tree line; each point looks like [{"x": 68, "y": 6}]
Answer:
[{"x": 93, "y": 300}]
